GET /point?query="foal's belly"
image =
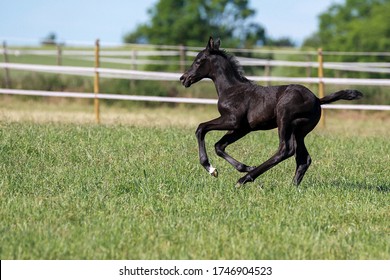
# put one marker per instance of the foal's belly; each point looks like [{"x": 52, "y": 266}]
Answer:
[
  {"x": 264, "y": 125},
  {"x": 259, "y": 123},
  {"x": 261, "y": 115}
]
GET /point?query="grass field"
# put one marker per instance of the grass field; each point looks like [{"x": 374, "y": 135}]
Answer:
[{"x": 132, "y": 188}]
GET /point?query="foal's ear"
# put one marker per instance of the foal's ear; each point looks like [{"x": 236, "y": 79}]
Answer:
[
  {"x": 217, "y": 44},
  {"x": 211, "y": 45}
]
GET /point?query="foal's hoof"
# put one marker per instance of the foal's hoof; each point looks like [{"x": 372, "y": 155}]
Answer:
[
  {"x": 213, "y": 172},
  {"x": 242, "y": 181}
]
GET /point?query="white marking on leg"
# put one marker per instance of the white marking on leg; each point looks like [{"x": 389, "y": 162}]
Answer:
[{"x": 212, "y": 169}]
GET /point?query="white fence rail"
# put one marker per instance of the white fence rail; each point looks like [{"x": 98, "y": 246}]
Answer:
[
  {"x": 119, "y": 57},
  {"x": 165, "y": 99},
  {"x": 164, "y": 76}
]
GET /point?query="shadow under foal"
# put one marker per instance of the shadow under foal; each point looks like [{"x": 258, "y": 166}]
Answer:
[{"x": 245, "y": 106}]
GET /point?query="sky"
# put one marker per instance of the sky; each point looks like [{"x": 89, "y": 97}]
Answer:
[{"x": 83, "y": 21}]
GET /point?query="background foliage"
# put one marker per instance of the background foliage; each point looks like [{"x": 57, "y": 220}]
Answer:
[
  {"x": 358, "y": 25},
  {"x": 190, "y": 23}
]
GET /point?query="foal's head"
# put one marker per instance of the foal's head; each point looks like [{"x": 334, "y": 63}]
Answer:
[
  {"x": 201, "y": 66},
  {"x": 213, "y": 62}
]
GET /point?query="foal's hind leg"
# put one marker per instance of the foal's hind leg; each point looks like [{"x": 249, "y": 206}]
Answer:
[
  {"x": 286, "y": 149},
  {"x": 302, "y": 159},
  {"x": 229, "y": 138}
]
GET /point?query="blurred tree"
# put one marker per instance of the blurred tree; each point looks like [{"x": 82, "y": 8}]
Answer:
[
  {"x": 280, "y": 42},
  {"x": 191, "y": 22},
  {"x": 50, "y": 39},
  {"x": 358, "y": 25}
]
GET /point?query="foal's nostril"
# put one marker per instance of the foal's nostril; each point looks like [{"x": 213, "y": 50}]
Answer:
[{"x": 182, "y": 78}]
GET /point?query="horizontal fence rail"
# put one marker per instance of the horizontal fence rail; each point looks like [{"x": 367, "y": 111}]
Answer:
[
  {"x": 77, "y": 43},
  {"x": 89, "y": 53},
  {"x": 187, "y": 100},
  {"x": 165, "y": 76},
  {"x": 118, "y": 56}
]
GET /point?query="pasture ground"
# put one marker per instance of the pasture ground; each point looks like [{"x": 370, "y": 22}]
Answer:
[{"x": 132, "y": 188}]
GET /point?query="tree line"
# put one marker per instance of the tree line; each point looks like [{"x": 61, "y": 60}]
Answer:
[{"x": 355, "y": 25}]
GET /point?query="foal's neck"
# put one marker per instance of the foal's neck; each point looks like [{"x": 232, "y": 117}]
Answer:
[{"x": 225, "y": 75}]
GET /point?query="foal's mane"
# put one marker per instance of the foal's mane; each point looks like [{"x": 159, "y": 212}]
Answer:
[{"x": 237, "y": 68}]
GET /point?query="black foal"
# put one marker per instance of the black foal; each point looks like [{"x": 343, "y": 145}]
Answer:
[{"x": 245, "y": 106}]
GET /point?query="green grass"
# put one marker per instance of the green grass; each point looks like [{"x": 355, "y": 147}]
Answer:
[{"x": 84, "y": 191}]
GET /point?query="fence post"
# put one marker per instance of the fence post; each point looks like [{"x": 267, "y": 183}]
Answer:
[
  {"x": 182, "y": 50},
  {"x": 308, "y": 68},
  {"x": 8, "y": 83},
  {"x": 133, "y": 67},
  {"x": 96, "y": 81},
  {"x": 321, "y": 85},
  {"x": 59, "y": 54},
  {"x": 267, "y": 71}
]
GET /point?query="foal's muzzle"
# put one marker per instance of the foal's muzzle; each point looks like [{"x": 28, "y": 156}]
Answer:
[{"x": 186, "y": 80}]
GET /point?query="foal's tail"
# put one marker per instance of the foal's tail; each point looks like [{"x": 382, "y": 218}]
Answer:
[{"x": 347, "y": 94}]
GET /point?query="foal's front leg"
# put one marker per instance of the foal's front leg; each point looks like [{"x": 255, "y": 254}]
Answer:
[
  {"x": 229, "y": 138},
  {"x": 221, "y": 123}
]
